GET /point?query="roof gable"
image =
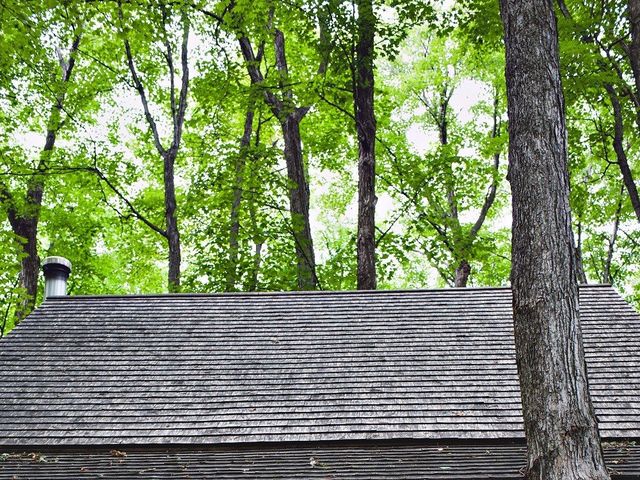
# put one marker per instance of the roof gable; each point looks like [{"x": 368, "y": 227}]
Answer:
[{"x": 209, "y": 369}]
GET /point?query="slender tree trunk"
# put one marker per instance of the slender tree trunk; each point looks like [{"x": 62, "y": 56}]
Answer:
[
  {"x": 606, "y": 274},
  {"x": 633, "y": 51},
  {"x": 366, "y": 129},
  {"x": 178, "y": 111},
  {"x": 299, "y": 202},
  {"x": 290, "y": 117},
  {"x": 559, "y": 420},
  {"x": 462, "y": 274},
  {"x": 257, "y": 259},
  {"x": 234, "y": 216},
  {"x": 634, "y": 48},
  {"x": 618, "y": 147},
  {"x": 256, "y": 233},
  {"x": 580, "y": 274},
  {"x": 171, "y": 221}
]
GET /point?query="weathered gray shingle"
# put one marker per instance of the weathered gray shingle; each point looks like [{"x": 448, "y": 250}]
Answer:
[
  {"x": 373, "y": 462},
  {"x": 208, "y": 369}
]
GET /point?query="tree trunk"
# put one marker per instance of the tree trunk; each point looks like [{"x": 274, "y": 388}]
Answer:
[
  {"x": 290, "y": 117},
  {"x": 618, "y": 147},
  {"x": 27, "y": 228},
  {"x": 580, "y": 274},
  {"x": 25, "y": 225},
  {"x": 234, "y": 216},
  {"x": 462, "y": 274},
  {"x": 606, "y": 274},
  {"x": 299, "y": 202},
  {"x": 171, "y": 220},
  {"x": 366, "y": 129},
  {"x": 634, "y": 49},
  {"x": 178, "y": 112},
  {"x": 257, "y": 259},
  {"x": 559, "y": 420},
  {"x": 24, "y": 219}
]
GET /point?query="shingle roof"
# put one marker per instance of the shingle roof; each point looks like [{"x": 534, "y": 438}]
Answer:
[
  {"x": 308, "y": 462},
  {"x": 208, "y": 369}
]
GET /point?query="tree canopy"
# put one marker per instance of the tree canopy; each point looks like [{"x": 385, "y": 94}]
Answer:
[{"x": 205, "y": 145}]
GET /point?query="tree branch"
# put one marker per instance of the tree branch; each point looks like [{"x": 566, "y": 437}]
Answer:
[
  {"x": 184, "y": 86},
  {"x": 138, "y": 84}
]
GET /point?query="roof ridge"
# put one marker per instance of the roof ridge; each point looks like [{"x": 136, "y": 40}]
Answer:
[{"x": 447, "y": 290}]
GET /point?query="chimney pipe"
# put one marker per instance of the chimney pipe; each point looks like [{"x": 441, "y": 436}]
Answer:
[{"x": 56, "y": 272}]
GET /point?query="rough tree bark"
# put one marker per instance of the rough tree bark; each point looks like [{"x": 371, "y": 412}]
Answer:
[
  {"x": 234, "y": 215},
  {"x": 559, "y": 420},
  {"x": 24, "y": 219},
  {"x": 366, "y": 130},
  {"x": 289, "y": 117},
  {"x": 299, "y": 201},
  {"x": 618, "y": 147},
  {"x": 169, "y": 154}
]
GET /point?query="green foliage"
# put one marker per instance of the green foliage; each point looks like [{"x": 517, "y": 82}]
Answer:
[{"x": 436, "y": 65}]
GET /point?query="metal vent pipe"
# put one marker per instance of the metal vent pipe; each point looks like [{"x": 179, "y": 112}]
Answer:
[{"x": 56, "y": 273}]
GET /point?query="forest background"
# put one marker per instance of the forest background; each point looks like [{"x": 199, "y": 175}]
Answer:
[{"x": 205, "y": 146}]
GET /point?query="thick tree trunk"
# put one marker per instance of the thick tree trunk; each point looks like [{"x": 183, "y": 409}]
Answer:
[
  {"x": 27, "y": 228},
  {"x": 366, "y": 129},
  {"x": 299, "y": 202},
  {"x": 171, "y": 220},
  {"x": 462, "y": 274},
  {"x": 25, "y": 225},
  {"x": 234, "y": 216},
  {"x": 621, "y": 155},
  {"x": 559, "y": 420},
  {"x": 24, "y": 219}
]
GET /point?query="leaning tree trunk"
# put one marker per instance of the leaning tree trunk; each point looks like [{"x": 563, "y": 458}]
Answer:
[
  {"x": 621, "y": 155},
  {"x": 171, "y": 220},
  {"x": 559, "y": 420},
  {"x": 366, "y": 129},
  {"x": 299, "y": 202}
]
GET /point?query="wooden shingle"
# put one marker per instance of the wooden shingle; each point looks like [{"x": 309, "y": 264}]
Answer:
[{"x": 282, "y": 367}]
